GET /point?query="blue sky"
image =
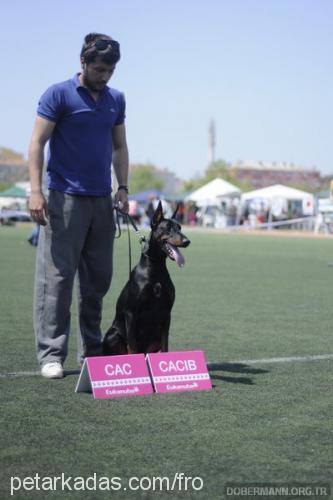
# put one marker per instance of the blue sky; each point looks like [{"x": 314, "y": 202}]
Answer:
[{"x": 262, "y": 69}]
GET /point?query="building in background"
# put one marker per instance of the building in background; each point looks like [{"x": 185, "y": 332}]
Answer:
[{"x": 260, "y": 174}]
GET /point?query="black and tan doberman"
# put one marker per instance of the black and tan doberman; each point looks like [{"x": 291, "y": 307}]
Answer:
[{"x": 143, "y": 310}]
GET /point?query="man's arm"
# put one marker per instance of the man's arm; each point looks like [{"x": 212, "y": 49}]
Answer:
[
  {"x": 41, "y": 133},
  {"x": 120, "y": 163}
]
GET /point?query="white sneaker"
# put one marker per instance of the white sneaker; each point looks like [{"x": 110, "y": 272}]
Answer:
[{"x": 53, "y": 369}]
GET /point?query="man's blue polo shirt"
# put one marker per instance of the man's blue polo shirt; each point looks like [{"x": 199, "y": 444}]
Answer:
[{"x": 80, "y": 148}]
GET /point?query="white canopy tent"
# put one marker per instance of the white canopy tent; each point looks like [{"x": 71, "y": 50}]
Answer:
[
  {"x": 213, "y": 192},
  {"x": 278, "y": 194}
]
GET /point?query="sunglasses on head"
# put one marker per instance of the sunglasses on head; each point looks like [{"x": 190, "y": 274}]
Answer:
[{"x": 103, "y": 44}]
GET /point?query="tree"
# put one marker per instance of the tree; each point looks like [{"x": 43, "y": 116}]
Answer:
[
  {"x": 216, "y": 169},
  {"x": 7, "y": 154},
  {"x": 4, "y": 186},
  {"x": 143, "y": 177},
  {"x": 219, "y": 168}
]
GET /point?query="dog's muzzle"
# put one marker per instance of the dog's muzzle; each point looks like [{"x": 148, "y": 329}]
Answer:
[{"x": 175, "y": 254}]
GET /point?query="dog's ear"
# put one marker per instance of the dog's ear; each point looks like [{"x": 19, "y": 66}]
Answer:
[
  {"x": 175, "y": 212},
  {"x": 158, "y": 215}
]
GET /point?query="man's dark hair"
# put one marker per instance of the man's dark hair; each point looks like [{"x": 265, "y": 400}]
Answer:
[{"x": 89, "y": 51}]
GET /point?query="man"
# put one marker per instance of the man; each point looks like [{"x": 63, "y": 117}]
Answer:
[{"x": 83, "y": 119}]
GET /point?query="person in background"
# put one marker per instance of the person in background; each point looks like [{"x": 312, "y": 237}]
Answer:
[
  {"x": 34, "y": 236},
  {"x": 192, "y": 214},
  {"x": 83, "y": 120},
  {"x": 150, "y": 208}
]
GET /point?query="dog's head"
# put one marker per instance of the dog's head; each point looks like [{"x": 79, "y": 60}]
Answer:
[{"x": 168, "y": 236}]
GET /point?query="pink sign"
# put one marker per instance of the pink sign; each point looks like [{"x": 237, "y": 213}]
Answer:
[
  {"x": 179, "y": 371},
  {"x": 115, "y": 376}
]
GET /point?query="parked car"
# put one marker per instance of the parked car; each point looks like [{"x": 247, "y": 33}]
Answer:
[{"x": 11, "y": 216}]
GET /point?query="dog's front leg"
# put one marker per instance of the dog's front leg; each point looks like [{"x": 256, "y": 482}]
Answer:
[
  {"x": 165, "y": 342},
  {"x": 165, "y": 336},
  {"x": 132, "y": 341}
]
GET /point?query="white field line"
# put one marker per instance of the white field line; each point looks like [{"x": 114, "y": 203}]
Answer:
[
  {"x": 264, "y": 361},
  {"x": 214, "y": 364},
  {"x": 19, "y": 374},
  {"x": 34, "y": 373}
]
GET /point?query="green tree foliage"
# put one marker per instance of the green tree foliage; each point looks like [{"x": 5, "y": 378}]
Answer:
[
  {"x": 143, "y": 177},
  {"x": 219, "y": 168},
  {"x": 304, "y": 187},
  {"x": 4, "y": 186},
  {"x": 7, "y": 154}
]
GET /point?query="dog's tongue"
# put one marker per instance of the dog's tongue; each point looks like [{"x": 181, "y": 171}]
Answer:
[{"x": 177, "y": 256}]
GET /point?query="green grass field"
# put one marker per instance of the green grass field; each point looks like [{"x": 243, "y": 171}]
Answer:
[{"x": 239, "y": 297}]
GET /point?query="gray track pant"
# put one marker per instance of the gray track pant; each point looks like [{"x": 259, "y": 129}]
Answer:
[{"x": 78, "y": 239}]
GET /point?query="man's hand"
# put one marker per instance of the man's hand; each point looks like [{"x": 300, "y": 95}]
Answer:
[
  {"x": 38, "y": 208},
  {"x": 121, "y": 200}
]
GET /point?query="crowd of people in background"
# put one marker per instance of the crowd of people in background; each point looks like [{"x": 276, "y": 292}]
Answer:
[
  {"x": 223, "y": 214},
  {"x": 142, "y": 212}
]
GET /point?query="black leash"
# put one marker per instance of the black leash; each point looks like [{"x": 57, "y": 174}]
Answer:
[{"x": 142, "y": 238}]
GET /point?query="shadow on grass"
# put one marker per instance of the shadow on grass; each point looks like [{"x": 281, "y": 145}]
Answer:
[
  {"x": 233, "y": 380},
  {"x": 234, "y": 368},
  {"x": 72, "y": 372}
]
